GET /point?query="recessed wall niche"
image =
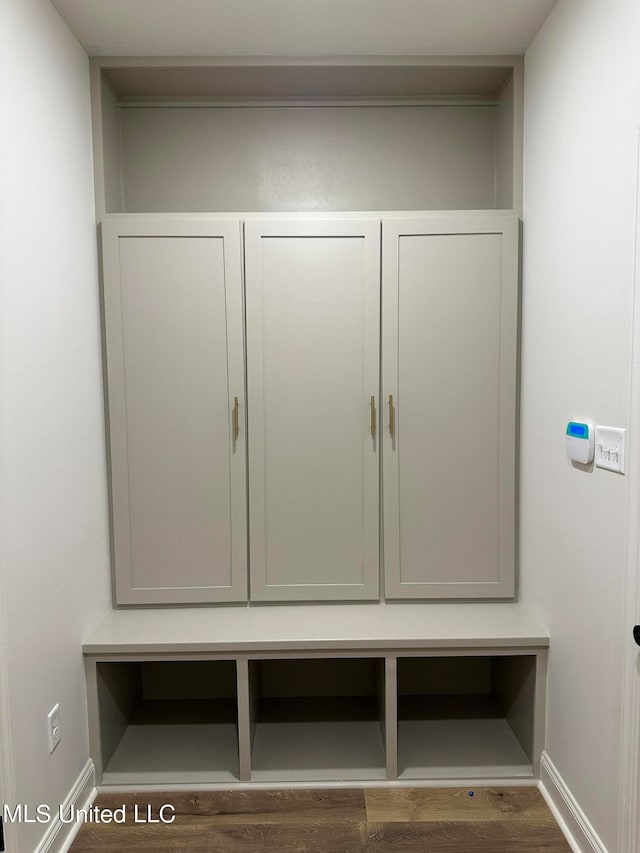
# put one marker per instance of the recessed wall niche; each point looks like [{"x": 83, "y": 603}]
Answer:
[{"x": 404, "y": 134}]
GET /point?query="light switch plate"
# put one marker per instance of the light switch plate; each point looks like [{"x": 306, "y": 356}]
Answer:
[{"x": 610, "y": 448}]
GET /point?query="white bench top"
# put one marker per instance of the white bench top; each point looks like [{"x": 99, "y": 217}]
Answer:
[{"x": 316, "y": 627}]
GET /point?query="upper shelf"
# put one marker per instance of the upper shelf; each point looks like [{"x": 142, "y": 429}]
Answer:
[
  {"x": 306, "y": 81},
  {"x": 317, "y": 628}
]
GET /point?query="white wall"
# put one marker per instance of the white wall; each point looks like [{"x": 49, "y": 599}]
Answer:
[
  {"x": 53, "y": 497},
  {"x": 582, "y": 116}
]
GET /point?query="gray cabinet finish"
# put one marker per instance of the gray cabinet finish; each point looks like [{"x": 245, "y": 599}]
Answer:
[
  {"x": 313, "y": 325},
  {"x": 443, "y": 418},
  {"x": 173, "y": 318},
  {"x": 449, "y": 387}
]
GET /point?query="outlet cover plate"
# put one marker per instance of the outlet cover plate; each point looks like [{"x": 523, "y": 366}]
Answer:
[
  {"x": 53, "y": 727},
  {"x": 610, "y": 448}
]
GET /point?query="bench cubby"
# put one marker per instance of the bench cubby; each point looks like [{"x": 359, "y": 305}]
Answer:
[
  {"x": 466, "y": 714},
  {"x": 317, "y": 719},
  {"x": 165, "y": 720}
]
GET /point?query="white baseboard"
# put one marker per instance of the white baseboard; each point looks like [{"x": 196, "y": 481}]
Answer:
[
  {"x": 379, "y": 784},
  {"x": 573, "y": 822},
  {"x": 59, "y": 837}
]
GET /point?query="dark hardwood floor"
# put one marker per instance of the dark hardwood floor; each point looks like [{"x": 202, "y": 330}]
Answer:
[{"x": 373, "y": 820}]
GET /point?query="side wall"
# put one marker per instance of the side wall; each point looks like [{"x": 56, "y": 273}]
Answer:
[
  {"x": 582, "y": 113},
  {"x": 53, "y": 494}
]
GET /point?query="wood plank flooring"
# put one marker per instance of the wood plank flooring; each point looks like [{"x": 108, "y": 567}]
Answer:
[{"x": 373, "y": 820}]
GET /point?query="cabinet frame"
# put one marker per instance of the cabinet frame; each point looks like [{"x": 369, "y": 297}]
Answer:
[{"x": 229, "y": 230}]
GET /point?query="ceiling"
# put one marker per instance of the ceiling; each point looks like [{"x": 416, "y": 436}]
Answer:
[{"x": 303, "y": 27}]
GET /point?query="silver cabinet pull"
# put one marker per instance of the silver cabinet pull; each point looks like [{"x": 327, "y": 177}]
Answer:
[{"x": 392, "y": 420}]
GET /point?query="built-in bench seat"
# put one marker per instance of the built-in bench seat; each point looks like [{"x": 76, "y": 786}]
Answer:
[{"x": 312, "y": 693}]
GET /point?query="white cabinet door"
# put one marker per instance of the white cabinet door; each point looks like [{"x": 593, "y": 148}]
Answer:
[
  {"x": 450, "y": 293},
  {"x": 313, "y": 315},
  {"x": 175, "y": 367}
]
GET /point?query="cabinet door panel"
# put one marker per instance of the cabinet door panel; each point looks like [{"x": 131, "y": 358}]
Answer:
[
  {"x": 313, "y": 365},
  {"x": 449, "y": 359},
  {"x": 174, "y": 323}
]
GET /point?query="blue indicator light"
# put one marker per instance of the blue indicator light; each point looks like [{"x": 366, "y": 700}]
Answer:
[{"x": 578, "y": 430}]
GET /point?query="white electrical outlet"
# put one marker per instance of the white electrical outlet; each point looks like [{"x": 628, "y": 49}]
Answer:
[
  {"x": 610, "y": 448},
  {"x": 53, "y": 727}
]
